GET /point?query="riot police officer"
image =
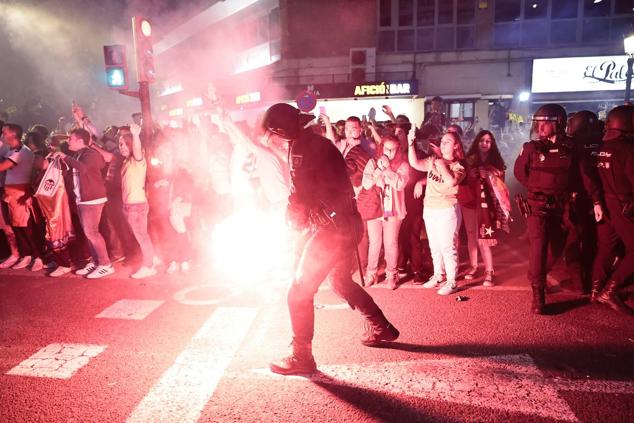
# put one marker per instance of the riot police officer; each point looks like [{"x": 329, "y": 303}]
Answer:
[
  {"x": 584, "y": 130},
  {"x": 321, "y": 202},
  {"x": 544, "y": 168},
  {"x": 615, "y": 166}
]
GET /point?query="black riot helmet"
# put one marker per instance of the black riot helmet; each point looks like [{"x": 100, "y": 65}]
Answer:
[
  {"x": 549, "y": 113},
  {"x": 619, "y": 123},
  {"x": 582, "y": 124},
  {"x": 285, "y": 120}
]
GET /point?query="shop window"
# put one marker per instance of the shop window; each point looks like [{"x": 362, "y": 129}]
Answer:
[
  {"x": 465, "y": 36},
  {"x": 465, "y": 11},
  {"x": 425, "y": 11},
  {"x": 406, "y": 12},
  {"x": 592, "y": 9},
  {"x": 535, "y": 9},
  {"x": 535, "y": 33},
  {"x": 461, "y": 111},
  {"x": 506, "y": 35},
  {"x": 594, "y": 30},
  {"x": 444, "y": 38},
  {"x": 405, "y": 40},
  {"x": 562, "y": 9},
  {"x": 386, "y": 40},
  {"x": 425, "y": 39},
  {"x": 445, "y": 12},
  {"x": 624, "y": 7},
  {"x": 563, "y": 32},
  {"x": 385, "y": 12},
  {"x": 507, "y": 10},
  {"x": 621, "y": 27}
]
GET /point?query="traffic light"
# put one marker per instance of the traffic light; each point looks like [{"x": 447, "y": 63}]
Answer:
[
  {"x": 116, "y": 67},
  {"x": 142, "y": 33}
]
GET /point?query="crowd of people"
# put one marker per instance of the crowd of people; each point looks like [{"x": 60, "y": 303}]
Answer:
[{"x": 85, "y": 200}]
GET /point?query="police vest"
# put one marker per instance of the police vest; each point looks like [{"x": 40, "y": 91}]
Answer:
[{"x": 550, "y": 166}]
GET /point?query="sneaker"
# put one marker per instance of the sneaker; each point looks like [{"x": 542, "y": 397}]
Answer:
[
  {"x": 60, "y": 271},
  {"x": 471, "y": 272},
  {"x": 24, "y": 262},
  {"x": 156, "y": 261},
  {"x": 172, "y": 268},
  {"x": 488, "y": 278},
  {"x": 101, "y": 271},
  {"x": 185, "y": 266},
  {"x": 433, "y": 282},
  {"x": 376, "y": 335},
  {"x": 392, "y": 280},
  {"x": 418, "y": 279},
  {"x": 37, "y": 265},
  {"x": 9, "y": 261},
  {"x": 86, "y": 269},
  {"x": 118, "y": 259},
  {"x": 448, "y": 288},
  {"x": 143, "y": 272},
  {"x": 370, "y": 279},
  {"x": 402, "y": 273}
]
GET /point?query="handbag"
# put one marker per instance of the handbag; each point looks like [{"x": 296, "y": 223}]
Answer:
[
  {"x": 370, "y": 203},
  {"x": 51, "y": 179}
]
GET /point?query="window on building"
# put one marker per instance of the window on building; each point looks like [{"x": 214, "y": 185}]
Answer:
[
  {"x": 562, "y": 9},
  {"x": 385, "y": 13},
  {"x": 507, "y": 10},
  {"x": 563, "y": 32},
  {"x": 425, "y": 11},
  {"x": 274, "y": 24},
  {"x": 445, "y": 12},
  {"x": 425, "y": 39},
  {"x": 465, "y": 11},
  {"x": 506, "y": 35},
  {"x": 386, "y": 40},
  {"x": 405, "y": 40},
  {"x": 535, "y": 9},
  {"x": 595, "y": 30},
  {"x": 444, "y": 38},
  {"x": 592, "y": 9},
  {"x": 624, "y": 7},
  {"x": 406, "y": 12},
  {"x": 465, "y": 37},
  {"x": 535, "y": 33}
]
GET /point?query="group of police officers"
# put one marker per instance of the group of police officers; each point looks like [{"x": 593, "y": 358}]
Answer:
[{"x": 581, "y": 178}]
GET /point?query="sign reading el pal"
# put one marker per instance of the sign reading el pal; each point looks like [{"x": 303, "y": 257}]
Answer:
[{"x": 575, "y": 74}]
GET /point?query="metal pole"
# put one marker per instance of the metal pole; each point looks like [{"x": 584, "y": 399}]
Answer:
[
  {"x": 628, "y": 79},
  {"x": 146, "y": 112}
]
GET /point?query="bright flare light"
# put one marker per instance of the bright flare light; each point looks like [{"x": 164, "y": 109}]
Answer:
[{"x": 253, "y": 247}]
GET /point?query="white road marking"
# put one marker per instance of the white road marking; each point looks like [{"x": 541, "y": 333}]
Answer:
[
  {"x": 130, "y": 309},
  {"x": 59, "y": 361},
  {"x": 510, "y": 383},
  {"x": 184, "y": 389},
  {"x": 182, "y": 295}
]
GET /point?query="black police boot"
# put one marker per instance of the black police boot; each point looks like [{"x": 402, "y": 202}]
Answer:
[
  {"x": 377, "y": 331},
  {"x": 595, "y": 291},
  {"x": 299, "y": 362},
  {"x": 610, "y": 297},
  {"x": 539, "y": 300}
]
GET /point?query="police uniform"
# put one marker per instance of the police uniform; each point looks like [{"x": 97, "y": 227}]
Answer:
[{"x": 544, "y": 167}]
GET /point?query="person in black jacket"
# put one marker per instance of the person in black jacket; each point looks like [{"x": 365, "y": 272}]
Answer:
[
  {"x": 322, "y": 203},
  {"x": 90, "y": 197}
]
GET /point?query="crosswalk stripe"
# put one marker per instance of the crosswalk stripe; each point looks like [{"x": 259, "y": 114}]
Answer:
[
  {"x": 182, "y": 392},
  {"x": 57, "y": 361},
  {"x": 130, "y": 309}
]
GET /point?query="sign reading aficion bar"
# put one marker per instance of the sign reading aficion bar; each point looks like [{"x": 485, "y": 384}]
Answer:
[
  {"x": 382, "y": 88},
  {"x": 574, "y": 74}
]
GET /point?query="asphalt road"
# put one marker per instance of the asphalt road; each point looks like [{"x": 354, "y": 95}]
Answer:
[{"x": 192, "y": 347}]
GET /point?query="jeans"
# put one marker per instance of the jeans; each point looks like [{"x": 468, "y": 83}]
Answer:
[
  {"x": 136, "y": 214},
  {"x": 442, "y": 227},
  {"x": 89, "y": 216},
  {"x": 382, "y": 231}
]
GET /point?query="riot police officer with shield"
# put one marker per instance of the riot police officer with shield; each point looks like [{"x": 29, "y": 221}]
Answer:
[
  {"x": 544, "y": 167},
  {"x": 322, "y": 203},
  {"x": 615, "y": 166}
]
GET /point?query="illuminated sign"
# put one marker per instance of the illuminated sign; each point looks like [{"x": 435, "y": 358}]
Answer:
[
  {"x": 382, "y": 88},
  {"x": 198, "y": 101},
  {"x": 176, "y": 112},
  {"x": 249, "y": 98},
  {"x": 574, "y": 74},
  {"x": 171, "y": 89}
]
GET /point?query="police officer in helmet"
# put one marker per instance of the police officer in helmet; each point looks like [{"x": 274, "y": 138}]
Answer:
[
  {"x": 544, "y": 167},
  {"x": 615, "y": 166},
  {"x": 322, "y": 203}
]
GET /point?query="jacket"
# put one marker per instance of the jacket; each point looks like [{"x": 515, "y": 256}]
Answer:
[{"x": 89, "y": 164}]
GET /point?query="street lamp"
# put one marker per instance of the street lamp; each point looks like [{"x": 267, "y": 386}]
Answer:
[{"x": 628, "y": 44}]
